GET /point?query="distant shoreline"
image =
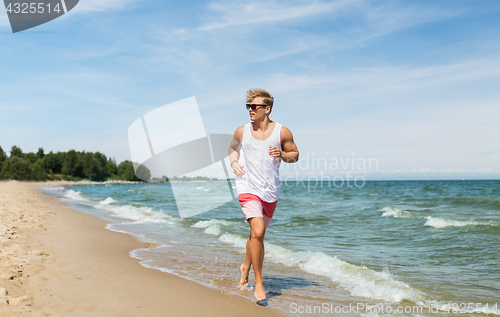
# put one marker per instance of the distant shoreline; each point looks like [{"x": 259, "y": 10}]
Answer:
[
  {"x": 111, "y": 182},
  {"x": 124, "y": 182}
]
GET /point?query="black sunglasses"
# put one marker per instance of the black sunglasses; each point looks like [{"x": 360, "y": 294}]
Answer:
[{"x": 254, "y": 106}]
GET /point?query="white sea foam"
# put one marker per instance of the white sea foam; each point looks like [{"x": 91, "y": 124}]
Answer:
[
  {"x": 107, "y": 201},
  {"x": 358, "y": 280},
  {"x": 212, "y": 226},
  {"x": 208, "y": 223},
  {"x": 443, "y": 223},
  {"x": 139, "y": 236},
  {"x": 201, "y": 187},
  {"x": 394, "y": 212},
  {"x": 139, "y": 214},
  {"x": 75, "y": 195},
  {"x": 235, "y": 240},
  {"x": 214, "y": 230}
]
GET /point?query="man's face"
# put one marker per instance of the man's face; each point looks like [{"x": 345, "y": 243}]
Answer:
[{"x": 260, "y": 112}]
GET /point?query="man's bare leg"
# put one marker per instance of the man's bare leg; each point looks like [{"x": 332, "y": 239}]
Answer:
[
  {"x": 245, "y": 267},
  {"x": 257, "y": 232}
]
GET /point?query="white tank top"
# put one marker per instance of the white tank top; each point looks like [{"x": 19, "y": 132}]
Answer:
[{"x": 261, "y": 176}]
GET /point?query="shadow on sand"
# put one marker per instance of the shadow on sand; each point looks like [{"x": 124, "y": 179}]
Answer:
[{"x": 274, "y": 285}]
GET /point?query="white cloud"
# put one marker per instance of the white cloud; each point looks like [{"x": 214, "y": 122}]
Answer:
[
  {"x": 370, "y": 82},
  {"x": 102, "y": 5},
  {"x": 237, "y": 13},
  {"x": 385, "y": 18},
  {"x": 367, "y": 20},
  {"x": 186, "y": 45},
  {"x": 293, "y": 26}
]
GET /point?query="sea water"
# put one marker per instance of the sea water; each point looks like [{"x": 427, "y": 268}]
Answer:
[{"x": 387, "y": 248}]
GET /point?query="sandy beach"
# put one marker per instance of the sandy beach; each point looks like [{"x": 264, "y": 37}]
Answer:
[{"x": 56, "y": 261}]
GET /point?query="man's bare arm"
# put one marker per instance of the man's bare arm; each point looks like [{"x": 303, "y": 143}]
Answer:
[
  {"x": 290, "y": 153},
  {"x": 234, "y": 151}
]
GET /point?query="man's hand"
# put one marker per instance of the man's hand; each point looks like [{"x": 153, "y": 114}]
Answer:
[
  {"x": 237, "y": 168},
  {"x": 275, "y": 152}
]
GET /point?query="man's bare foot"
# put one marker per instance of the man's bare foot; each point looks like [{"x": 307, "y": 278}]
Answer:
[
  {"x": 259, "y": 293},
  {"x": 244, "y": 277}
]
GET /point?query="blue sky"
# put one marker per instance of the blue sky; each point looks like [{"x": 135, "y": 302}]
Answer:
[{"x": 413, "y": 84}]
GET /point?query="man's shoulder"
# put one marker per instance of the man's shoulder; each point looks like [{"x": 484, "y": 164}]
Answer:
[
  {"x": 239, "y": 132},
  {"x": 285, "y": 132}
]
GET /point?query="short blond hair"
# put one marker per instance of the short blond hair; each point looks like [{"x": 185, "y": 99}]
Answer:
[{"x": 257, "y": 92}]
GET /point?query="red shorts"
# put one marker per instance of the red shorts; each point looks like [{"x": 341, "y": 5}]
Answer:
[{"x": 252, "y": 206}]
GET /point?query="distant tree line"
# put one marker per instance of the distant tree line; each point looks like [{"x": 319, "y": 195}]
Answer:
[{"x": 71, "y": 165}]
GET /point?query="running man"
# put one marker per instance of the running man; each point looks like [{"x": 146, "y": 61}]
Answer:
[{"x": 264, "y": 144}]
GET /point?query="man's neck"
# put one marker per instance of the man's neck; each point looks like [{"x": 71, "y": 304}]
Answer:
[{"x": 262, "y": 125}]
